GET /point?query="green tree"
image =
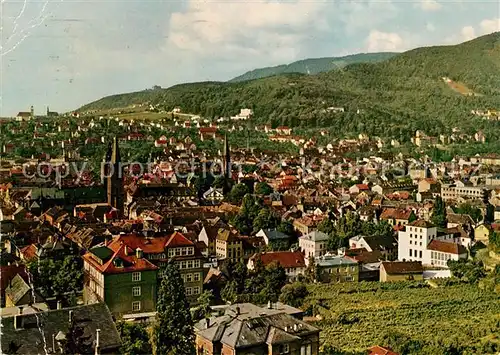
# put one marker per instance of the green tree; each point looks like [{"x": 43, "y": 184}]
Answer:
[
  {"x": 494, "y": 241},
  {"x": 263, "y": 188},
  {"x": 266, "y": 219},
  {"x": 474, "y": 212},
  {"x": 219, "y": 182},
  {"x": 439, "y": 213},
  {"x": 204, "y": 302},
  {"x": 237, "y": 193},
  {"x": 173, "y": 328},
  {"x": 294, "y": 294},
  {"x": 135, "y": 338},
  {"x": 57, "y": 277}
]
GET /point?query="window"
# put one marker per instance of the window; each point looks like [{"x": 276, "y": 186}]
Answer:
[
  {"x": 136, "y": 276},
  {"x": 196, "y": 276},
  {"x": 136, "y": 291},
  {"x": 190, "y": 251},
  {"x": 182, "y": 265},
  {"x": 196, "y": 264},
  {"x": 184, "y": 251},
  {"x": 410, "y": 242},
  {"x": 177, "y": 251},
  {"x": 136, "y": 306},
  {"x": 410, "y": 252},
  {"x": 189, "y": 277},
  {"x": 420, "y": 254},
  {"x": 284, "y": 349},
  {"x": 196, "y": 290},
  {"x": 189, "y": 291},
  {"x": 190, "y": 262}
]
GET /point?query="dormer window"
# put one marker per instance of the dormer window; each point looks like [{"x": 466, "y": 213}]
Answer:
[{"x": 118, "y": 263}]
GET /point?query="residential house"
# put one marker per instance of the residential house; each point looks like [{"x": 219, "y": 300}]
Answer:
[
  {"x": 274, "y": 239},
  {"x": 401, "y": 271},
  {"x": 229, "y": 245},
  {"x": 397, "y": 216},
  {"x": 160, "y": 249},
  {"x": 441, "y": 252},
  {"x": 121, "y": 277},
  {"x": 248, "y": 329},
  {"x": 19, "y": 293},
  {"x": 386, "y": 245},
  {"x": 482, "y": 233},
  {"x": 213, "y": 195},
  {"x": 336, "y": 268},
  {"x": 88, "y": 329},
  {"x": 292, "y": 261},
  {"x": 313, "y": 245}
]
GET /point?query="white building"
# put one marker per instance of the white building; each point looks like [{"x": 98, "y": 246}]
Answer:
[
  {"x": 460, "y": 189},
  {"x": 313, "y": 245},
  {"x": 420, "y": 241},
  {"x": 245, "y": 114}
]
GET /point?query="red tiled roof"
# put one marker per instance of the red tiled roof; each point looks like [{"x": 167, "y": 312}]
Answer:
[
  {"x": 447, "y": 247},
  {"x": 421, "y": 224},
  {"x": 178, "y": 240},
  {"x": 29, "y": 252},
  {"x": 395, "y": 213},
  {"x": 130, "y": 261},
  {"x": 208, "y": 129},
  {"x": 148, "y": 245},
  {"x": 378, "y": 350},
  {"x": 287, "y": 259}
]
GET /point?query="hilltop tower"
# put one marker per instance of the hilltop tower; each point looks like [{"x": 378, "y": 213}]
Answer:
[
  {"x": 32, "y": 111},
  {"x": 226, "y": 155},
  {"x": 114, "y": 185}
]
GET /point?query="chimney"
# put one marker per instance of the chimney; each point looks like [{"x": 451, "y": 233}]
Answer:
[
  {"x": 207, "y": 320},
  {"x": 269, "y": 305},
  {"x": 70, "y": 317},
  {"x": 59, "y": 304},
  {"x": 138, "y": 253},
  {"x": 238, "y": 310},
  {"x": 97, "y": 345},
  {"x": 18, "y": 319},
  {"x": 53, "y": 343}
]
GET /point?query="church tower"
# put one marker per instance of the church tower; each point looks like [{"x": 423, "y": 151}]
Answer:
[
  {"x": 226, "y": 159},
  {"x": 106, "y": 161},
  {"x": 114, "y": 185}
]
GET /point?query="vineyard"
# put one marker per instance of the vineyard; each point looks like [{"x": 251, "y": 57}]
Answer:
[{"x": 459, "y": 318}]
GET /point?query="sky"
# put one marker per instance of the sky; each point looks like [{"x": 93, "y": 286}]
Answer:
[{"x": 66, "y": 53}]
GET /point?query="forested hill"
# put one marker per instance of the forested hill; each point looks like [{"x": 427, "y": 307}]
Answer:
[
  {"x": 396, "y": 97},
  {"x": 314, "y": 65}
]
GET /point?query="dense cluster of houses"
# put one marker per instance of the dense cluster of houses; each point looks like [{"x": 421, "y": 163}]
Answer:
[{"x": 126, "y": 228}]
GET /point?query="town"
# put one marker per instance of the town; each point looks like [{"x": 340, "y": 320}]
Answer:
[{"x": 141, "y": 232}]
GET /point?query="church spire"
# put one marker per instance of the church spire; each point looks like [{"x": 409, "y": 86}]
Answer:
[
  {"x": 114, "y": 183},
  {"x": 226, "y": 153}
]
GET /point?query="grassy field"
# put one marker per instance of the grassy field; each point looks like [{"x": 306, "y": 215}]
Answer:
[{"x": 357, "y": 316}]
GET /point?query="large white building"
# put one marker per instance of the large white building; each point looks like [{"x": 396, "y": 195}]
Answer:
[{"x": 420, "y": 241}]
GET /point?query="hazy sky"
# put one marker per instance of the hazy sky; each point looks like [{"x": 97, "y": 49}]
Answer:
[{"x": 66, "y": 53}]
